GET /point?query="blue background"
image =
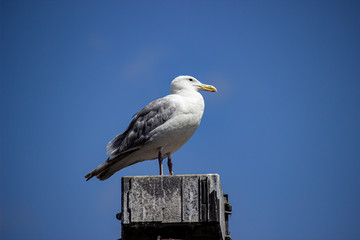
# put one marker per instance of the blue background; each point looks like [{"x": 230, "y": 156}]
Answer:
[{"x": 283, "y": 131}]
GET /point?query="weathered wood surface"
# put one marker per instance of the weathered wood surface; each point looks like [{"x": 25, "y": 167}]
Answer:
[{"x": 180, "y": 206}]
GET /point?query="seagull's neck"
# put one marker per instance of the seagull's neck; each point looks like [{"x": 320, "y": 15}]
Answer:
[
  {"x": 192, "y": 99},
  {"x": 186, "y": 93}
]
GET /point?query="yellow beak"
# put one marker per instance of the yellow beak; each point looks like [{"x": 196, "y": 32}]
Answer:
[{"x": 209, "y": 88}]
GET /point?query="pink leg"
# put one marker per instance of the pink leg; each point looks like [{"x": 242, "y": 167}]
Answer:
[
  {"x": 170, "y": 165},
  {"x": 160, "y": 158}
]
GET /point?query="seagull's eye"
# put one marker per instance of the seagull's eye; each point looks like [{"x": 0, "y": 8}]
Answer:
[{"x": 191, "y": 80}]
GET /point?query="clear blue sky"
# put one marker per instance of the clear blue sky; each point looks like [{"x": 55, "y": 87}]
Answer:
[{"x": 283, "y": 131}]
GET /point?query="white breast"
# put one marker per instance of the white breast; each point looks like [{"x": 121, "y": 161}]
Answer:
[{"x": 173, "y": 134}]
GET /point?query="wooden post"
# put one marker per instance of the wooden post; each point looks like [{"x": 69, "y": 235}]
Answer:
[{"x": 174, "y": 207}]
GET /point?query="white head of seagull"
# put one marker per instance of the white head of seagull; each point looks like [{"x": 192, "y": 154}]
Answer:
[{"x": 186, "y": 83}]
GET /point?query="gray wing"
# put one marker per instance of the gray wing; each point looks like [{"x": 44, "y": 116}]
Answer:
[{"x": 137, "y": 134}]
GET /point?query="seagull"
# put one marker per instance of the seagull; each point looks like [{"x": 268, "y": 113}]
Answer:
[{"x": 158, "y": 130}]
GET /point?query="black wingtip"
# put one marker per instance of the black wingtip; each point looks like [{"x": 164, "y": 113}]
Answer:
[{"x": 89, "y": 176}]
